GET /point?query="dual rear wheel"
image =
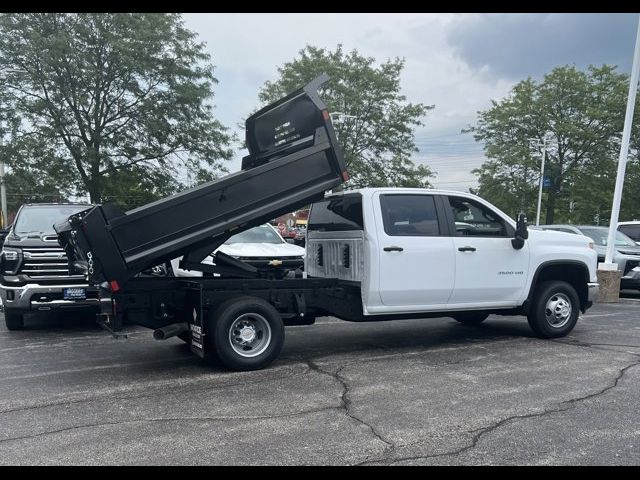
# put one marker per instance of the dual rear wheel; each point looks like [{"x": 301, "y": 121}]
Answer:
[{"x": 245, "y": 333}]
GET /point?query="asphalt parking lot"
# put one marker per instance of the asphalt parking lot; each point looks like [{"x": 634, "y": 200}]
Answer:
[{"x": 403, "y": 392}]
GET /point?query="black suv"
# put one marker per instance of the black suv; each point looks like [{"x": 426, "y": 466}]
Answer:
[{"x": 34, "y": 271}]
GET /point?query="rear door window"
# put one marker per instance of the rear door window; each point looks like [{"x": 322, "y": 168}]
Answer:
[{"x": 409, "y": 215}]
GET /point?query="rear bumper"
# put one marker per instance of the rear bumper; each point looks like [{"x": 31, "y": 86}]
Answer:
[{"x": 33, "y": 296}]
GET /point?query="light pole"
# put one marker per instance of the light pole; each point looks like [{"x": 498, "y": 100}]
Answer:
[
  {"x": 3, "y": 194},
  {"x": 535, "y": 142},
  {"x": 622, "y": 159},
  {"x": 3, "y": 190}
]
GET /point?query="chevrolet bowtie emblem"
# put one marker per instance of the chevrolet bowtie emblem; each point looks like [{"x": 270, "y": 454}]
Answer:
[{"x": 275, "y": 263}]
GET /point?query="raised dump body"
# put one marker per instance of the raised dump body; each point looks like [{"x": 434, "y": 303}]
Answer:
[{"x": 293, "y": 159}]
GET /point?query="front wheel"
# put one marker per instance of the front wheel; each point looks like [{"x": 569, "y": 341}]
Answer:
[
  {"x": 13, "y": 321},
  {"x": 248, "y": 333},
  {"x": 555, "y": 309}
]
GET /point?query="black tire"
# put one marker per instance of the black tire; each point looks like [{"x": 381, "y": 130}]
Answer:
[
  {"x": 13, "y": 321},
  {"x": 557, "y": 321},
  {"x": 257, "y": 315},
  {"x": 471, "y": 318}
]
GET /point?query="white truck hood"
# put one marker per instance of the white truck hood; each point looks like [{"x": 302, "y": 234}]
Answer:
[
  {"x": 550, "y": 245},
  {"x": 274, "y": 250},
  {"x": 560, "y": 238}
]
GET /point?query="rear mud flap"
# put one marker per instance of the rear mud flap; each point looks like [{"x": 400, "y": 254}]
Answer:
[{"x": 195, "y": 318}]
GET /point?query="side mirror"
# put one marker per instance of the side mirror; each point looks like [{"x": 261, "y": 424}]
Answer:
[
  {"x": 521, "y": 232},
  {"x": 290, "y": 240}
]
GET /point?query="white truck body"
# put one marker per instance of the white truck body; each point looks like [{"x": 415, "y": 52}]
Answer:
[{"x": 430, "y": 273}]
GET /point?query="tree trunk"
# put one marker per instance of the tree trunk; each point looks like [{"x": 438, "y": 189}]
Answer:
[
  {"x": 95, "y": 187},
  {"x": 94, "y": 193}
]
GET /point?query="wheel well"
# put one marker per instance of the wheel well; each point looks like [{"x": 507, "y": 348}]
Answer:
[{"x": 576, "y": 274}]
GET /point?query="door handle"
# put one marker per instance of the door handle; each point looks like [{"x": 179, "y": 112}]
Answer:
[
  {"x": 393, "y": 249},
  {"x": 467, "y": 249}
]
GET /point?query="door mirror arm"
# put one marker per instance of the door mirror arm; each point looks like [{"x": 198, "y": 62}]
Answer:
[{"x": 521, "y": 232}]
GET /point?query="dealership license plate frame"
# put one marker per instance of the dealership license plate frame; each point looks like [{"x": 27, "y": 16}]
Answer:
[{"x": 74, "y": 293}]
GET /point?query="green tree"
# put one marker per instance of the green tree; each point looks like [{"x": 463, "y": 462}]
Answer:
[
  {"x": 36, "y": 176},
  {"x": 107, "y": 94},
  {"x": 582, "y": 113},
  {"x": 379, "y": 141}
]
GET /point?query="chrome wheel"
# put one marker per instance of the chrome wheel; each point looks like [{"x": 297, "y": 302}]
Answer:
[
  {"x": 250, "y": 335},
  {"x": 558, "y": 310}
]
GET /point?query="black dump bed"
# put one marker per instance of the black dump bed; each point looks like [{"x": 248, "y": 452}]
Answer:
[{"x": 294, "y": 159}]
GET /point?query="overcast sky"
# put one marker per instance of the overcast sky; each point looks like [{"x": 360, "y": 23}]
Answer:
[{"x": 457, "y": 62}]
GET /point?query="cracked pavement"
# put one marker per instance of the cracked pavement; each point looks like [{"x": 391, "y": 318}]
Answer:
[{"x": 405, "y": 392}]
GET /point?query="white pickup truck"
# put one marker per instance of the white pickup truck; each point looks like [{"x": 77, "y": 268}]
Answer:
[{"x": 446, "y": 253}]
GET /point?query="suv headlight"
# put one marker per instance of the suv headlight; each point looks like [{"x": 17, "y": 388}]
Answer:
[{"x": 10, "y": 260}]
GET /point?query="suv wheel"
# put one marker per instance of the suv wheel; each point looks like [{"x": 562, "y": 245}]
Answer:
[{"x": 13, "y": 321}]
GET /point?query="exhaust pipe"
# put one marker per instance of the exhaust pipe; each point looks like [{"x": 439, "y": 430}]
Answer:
[{"x": 170, "y": 330}]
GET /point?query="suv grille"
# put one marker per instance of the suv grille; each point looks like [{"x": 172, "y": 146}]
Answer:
[{"x": 42, "y": 262}]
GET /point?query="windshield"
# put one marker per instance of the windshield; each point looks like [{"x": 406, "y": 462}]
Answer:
[
  {"x": 600, "y": 235},
  {"x": 39, "y": 219},
  {"x": 261, "y": 234}
]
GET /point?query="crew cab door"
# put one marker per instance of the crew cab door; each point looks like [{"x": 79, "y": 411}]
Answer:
[
  {"x": 489, "y": 272},
  {"x": 416, "y": 258}
]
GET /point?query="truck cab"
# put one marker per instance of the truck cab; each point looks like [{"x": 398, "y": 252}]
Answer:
[{"x": 34, "y": 269}]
